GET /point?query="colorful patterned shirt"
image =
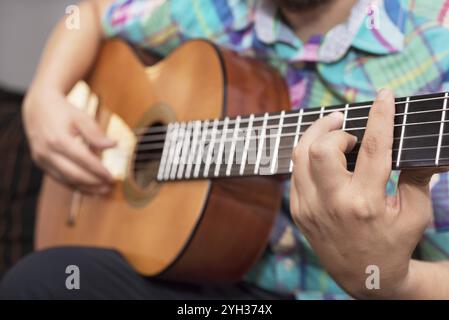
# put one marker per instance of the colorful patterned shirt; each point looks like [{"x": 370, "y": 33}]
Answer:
[{"x": 398, "y": 44}]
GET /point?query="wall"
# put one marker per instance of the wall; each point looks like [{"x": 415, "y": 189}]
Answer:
[{"x": 24, "y": 27}]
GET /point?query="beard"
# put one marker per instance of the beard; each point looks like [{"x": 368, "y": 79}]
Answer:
[{"x": 297, "y": 5}]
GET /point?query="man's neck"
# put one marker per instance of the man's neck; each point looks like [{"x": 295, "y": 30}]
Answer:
[{"x": 318, "y": 19}]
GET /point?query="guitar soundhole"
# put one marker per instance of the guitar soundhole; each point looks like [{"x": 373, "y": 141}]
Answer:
[{"x": 148, "y": 154}]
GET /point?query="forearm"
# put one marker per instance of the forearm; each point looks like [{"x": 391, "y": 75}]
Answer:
[{"x": 69, "y": 54}]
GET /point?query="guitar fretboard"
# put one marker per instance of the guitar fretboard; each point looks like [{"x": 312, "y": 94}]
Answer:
[{"x": 262, "y": 144}]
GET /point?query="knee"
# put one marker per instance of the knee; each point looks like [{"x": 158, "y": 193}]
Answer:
[{"x": 41, "y": 275}]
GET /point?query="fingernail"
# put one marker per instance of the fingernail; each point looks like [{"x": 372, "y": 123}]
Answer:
[
  {"x": 384, "y": 94},
  {"x": 336, "y": 115}
]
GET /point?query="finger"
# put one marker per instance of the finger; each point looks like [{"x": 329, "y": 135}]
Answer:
[
  {"x": 300, "y": 207},
  {"x": 373, "y": 165},
  {"x": 78, "y": 152},
  {"x": 83, "y": 188},
  {"x": 103, "y": 190},
  {"x": 320, "y": 127},
  {"x": 415, "y": 203},
  {"x": 72, "y": 174},
  {"x": 301, "y": 168},
  {"x": 92, "y": 133},
  {"x": 328, "y": 161}
]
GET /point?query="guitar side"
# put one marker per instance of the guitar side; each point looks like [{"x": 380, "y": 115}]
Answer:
[{"x": 192, "y": 231}]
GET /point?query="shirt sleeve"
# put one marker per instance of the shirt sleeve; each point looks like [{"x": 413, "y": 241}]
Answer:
[{"x": 162, "y": 25}]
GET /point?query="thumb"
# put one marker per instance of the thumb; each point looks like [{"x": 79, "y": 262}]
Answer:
[
  {"x": 92, "y": 133},
  {"x": 414, "y": 195}
]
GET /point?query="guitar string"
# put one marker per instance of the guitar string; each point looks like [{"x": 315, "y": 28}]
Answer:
[
  {"x": 295, "y": 113},
  {"x": 405, "y": 161},
  {"x": 283, "y": 135},
  {"x": 286, "y": 168},
  {"x": 249, "y": 168},
  {"x": 283, "y": 147},
  {"x": 161, "y": 138},
  {"x": 353, "y": 152}
]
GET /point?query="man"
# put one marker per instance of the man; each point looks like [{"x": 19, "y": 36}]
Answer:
[{"x": 329, "y": 52}]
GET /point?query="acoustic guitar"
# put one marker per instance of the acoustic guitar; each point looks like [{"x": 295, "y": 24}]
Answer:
[{"x": 201, "y": 136}]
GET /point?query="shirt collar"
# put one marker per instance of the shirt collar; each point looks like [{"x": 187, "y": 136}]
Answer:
[
  {"x": 374, "y": 26},
  {"x": 268, "y": 26}
]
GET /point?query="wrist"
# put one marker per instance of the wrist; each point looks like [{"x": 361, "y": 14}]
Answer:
[
  {"x": 390, "y": 287},
  {"x": 407, "y": 287},
  {"x": 37, "y": 92},
  {"x": 40, "y": 88}
]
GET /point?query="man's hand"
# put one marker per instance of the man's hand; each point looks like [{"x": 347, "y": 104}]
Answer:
[
  {"x": 347, "y": 217},
  {"x": 64, "y": 141},
  {"x": 57, "y": 131}
]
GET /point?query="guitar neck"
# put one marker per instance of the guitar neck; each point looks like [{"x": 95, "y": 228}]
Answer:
[{"x": 262, "y": 144}]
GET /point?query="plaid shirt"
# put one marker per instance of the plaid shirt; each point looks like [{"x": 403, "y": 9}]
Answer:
[{"x": 399, "y": 44}]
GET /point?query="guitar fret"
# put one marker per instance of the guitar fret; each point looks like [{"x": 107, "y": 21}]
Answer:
[
  {"x": 221, "y": 147},
  {"x": 185, "y": 150},
  {"x": 345, "y": 116},
  {"x": 298, "y": 130},
  {"x": 401, "y": 140},
  {"x": 443, "y": 117},
  {"x": 192, "y": 153},
  {"x": 174, "y": 139},
  {"x": 211, "y": 148},
  {"x": 162, "y": 164},
  {"x": 201, "y": 149},
  {"x": 176, "y": 156},
  {"x": 321, "y": 112},
  {"x": 276, "y": 147},
  {"x": 231, "y": 153},
  {"x": 247, "y": 140},
  {"x": 261, "y": 143}
]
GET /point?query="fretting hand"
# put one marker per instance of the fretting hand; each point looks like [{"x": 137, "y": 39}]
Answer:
[{"x": 347, "y": 217}]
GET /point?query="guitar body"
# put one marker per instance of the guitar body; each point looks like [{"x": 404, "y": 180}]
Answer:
[{"x": 192, "y": 231}]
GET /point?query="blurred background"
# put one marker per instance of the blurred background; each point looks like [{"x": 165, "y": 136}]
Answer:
[{"x": 24, "y": 27}]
